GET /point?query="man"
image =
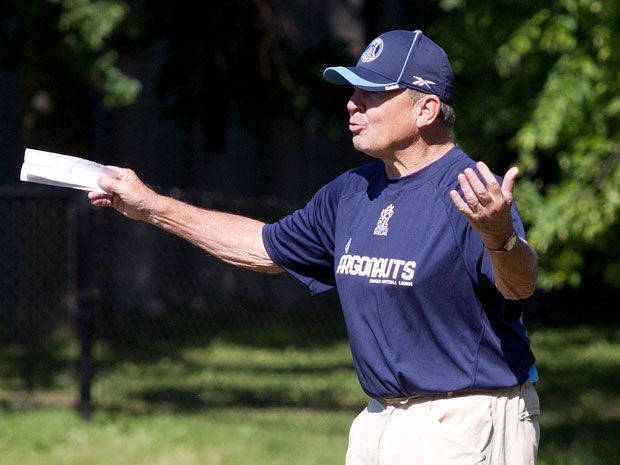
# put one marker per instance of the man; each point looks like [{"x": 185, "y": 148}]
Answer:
[{"x": 428, "y": 255}]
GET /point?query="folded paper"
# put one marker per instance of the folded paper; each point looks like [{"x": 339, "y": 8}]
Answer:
[{"x": 55, "y": 169}]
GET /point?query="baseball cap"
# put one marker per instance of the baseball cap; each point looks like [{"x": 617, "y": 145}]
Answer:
[{"x": 399, "y": 59}]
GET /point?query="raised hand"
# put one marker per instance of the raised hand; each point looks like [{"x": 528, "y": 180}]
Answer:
[{"x": 487, "y": 204}]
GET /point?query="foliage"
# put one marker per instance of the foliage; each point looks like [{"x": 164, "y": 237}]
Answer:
[
  {"x": 86, "y": 27},
  {"x": 553, "y": 84},
  {"x": 70, "y": 38}
]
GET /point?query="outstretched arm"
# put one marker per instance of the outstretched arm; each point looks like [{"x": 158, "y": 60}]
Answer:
[
  {"x": 232, "y": 238},
  {"x": 487, "y": 207}
]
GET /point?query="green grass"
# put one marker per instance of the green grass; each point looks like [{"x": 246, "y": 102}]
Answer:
[
  {"x": 226, "y": 375},
  {"x": 236, "y": 437},
  {"x": 230, "y": 403},
  {"x": 580, "y": 395}
]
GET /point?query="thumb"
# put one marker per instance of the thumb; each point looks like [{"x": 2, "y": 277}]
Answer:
[{"x": 509, "y": 182}]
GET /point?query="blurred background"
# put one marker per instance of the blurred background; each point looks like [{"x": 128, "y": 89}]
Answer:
[{"x": 118, "y": 342}]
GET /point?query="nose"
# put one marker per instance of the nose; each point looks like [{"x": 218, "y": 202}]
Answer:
[{"x": 355, "y": 103}]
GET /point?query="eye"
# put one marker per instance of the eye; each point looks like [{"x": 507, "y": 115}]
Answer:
[
  {"x": 374, "y": 97},
  {"x": 381, "y": 96}
]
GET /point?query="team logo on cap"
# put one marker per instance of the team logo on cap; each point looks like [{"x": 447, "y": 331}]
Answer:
[{"x": 372, "y": 51}]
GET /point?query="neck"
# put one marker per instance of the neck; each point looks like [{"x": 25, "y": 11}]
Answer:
[{"x": 414, "y": 159}]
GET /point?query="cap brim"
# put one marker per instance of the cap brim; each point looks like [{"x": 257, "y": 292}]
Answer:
[{"x": 360, "y": 77}]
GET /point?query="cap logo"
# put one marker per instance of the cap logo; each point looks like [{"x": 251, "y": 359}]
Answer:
[
  {"x": 373, "y": 50},
  {"x": 422, "y": 82}
]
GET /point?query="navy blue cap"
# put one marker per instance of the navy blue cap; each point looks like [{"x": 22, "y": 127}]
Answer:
[{"x": 396, "y": 60}]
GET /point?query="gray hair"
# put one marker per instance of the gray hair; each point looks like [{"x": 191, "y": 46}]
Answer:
[{"x": 447, "y": 115}]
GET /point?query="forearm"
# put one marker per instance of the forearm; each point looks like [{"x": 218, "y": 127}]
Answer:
[
  {"x": 232, "y": 238},
  {"x": 515, "y": 272}
]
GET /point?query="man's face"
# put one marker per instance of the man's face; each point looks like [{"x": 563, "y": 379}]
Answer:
[{"x": 382, "y": 123}]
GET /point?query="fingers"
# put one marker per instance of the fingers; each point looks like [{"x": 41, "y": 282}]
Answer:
[
  {"x": 110, "y": 181},
  {"x": 111, "y": 178},
  {"x": 107, "y": 184},
  {"x": 460, "y": 204},
  {"x": 507, "y": 187},
  {"x": 478, "y": 188},
  {"x": 99, "y": 199},
  {"x": 473, "y": 190},
  {"x": 102, "y": 202},
  {"x": 484, "y": 203},
  {"x": 481, "y": 190},
  {"x": 489, "y": 179}
]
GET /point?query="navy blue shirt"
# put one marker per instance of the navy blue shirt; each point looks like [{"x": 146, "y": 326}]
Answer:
[{"x": 415, "y": 282}]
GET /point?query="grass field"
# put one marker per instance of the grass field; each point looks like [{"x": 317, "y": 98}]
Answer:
[{"x": 230, "y": 403}]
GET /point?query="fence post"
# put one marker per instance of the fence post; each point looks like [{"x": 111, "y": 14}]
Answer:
[{"x": 85, "y": 296}]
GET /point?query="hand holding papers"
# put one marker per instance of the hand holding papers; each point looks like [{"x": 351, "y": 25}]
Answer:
[{"x": 54, "y": 169}]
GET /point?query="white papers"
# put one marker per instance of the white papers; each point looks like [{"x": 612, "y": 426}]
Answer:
[{"x": 55, "y": 169}]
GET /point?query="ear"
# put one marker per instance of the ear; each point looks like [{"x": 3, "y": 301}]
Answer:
[{"x": 427, "y": 110}]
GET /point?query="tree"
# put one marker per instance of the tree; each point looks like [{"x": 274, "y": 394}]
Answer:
[
  {"x": 543, "y": 88},
  {"x": 60, "y": 50},
  {"x": 86, "y": 27}
]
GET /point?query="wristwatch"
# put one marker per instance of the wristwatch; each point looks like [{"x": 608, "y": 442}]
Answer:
[{"x": 508, "y": 245}]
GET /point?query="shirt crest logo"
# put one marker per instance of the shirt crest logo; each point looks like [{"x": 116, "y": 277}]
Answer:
[
  {"x": 346, "y": 247},
  {"x": 373, "y": 50},
  {"x": 382, "y": 225}
]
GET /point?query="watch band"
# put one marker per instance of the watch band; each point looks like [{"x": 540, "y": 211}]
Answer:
[{"x": 508, "y": 244}]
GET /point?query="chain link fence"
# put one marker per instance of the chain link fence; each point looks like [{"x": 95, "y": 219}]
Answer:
[
  {"x": 132, "y": 318},
  {"x": 37, "y": 258}
]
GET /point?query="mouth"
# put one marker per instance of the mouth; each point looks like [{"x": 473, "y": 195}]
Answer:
[{"x": 355, "y": 128}]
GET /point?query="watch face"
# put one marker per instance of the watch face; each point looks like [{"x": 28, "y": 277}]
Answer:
[{"x": 510, "y": 243}]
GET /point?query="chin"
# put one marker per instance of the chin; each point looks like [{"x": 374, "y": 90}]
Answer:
[
  {"x": 365, "y": 149},
  {"x": 359, "y": 145}
]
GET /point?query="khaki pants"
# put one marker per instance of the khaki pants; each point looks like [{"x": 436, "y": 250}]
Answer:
[{"x": 496, "y": 428}]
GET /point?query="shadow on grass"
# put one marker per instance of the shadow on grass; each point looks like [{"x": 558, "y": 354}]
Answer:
[
  {"x": 195, "y": 400},
  {"x": 580, "y": 416},
  {"x": 593, "y": 441},
  {"x": 578, "y": 390},
  {"x": 162, "y": 361},
  {"x": 579, "y": 369},
  {"x": 30, "y": 366}
]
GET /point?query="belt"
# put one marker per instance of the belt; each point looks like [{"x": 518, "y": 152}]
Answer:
[{"x": 450, "y": 394}]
